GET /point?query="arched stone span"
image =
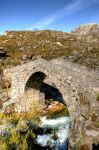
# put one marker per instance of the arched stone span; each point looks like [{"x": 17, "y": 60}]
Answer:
[
  {"x": 69, "y": 78},
  {"x": 51, "y": 78}
]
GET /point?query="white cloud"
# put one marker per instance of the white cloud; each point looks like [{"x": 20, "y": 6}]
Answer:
[{"x": 67, "y": 10}]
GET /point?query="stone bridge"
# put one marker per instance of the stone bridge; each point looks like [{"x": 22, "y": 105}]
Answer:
[{"x": 78, "y": 85}]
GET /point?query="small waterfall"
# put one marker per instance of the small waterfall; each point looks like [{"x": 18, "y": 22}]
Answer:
[{"x": 57, "y": 139}]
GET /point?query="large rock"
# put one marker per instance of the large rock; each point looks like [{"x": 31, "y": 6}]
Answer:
[
  {"x": 87, "y": 29},
  {"x": 55, "y": 108}
]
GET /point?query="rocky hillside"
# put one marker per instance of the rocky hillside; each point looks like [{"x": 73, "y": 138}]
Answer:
[
  {"x": 80, "y": 46},
  {"x": 90, "y": 30}
]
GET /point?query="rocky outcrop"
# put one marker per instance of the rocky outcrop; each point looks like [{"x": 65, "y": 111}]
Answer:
[{"x": 87, "y": 30}]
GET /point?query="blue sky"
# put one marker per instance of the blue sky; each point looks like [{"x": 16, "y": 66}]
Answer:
[{"x": 62, "y": 15}]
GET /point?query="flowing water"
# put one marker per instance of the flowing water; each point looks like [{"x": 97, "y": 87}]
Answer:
[
  {"x": 56, "y": 133},
  {"x": 51, "y": 132}
]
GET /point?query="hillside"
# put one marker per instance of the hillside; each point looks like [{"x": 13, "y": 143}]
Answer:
[
  {"x": 89, "y": 30},
  {"x": 80, "y": 46}
]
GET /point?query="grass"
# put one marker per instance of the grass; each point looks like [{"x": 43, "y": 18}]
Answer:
[
  {"x": 16, "y": 140},
  {"x": 19, "y": 135}
]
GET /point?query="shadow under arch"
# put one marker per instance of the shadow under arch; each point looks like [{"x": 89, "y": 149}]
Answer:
[
  {"x": 52, "y": 93},
  {"x": 36, "y": 81}
]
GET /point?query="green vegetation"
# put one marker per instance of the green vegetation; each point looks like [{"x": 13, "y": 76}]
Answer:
[
  {"x": 20, "y": 133},
  {"x": 15, "y": 118},
  {"x": 16, "y": 140}
]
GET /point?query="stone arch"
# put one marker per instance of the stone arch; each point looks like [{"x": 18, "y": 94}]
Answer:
[{"x": 60, "y": 82}]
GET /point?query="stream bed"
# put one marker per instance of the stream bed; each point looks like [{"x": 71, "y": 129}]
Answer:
[
  {"x": 57, "y": 138},
  {"x": 50, "y": 133}
]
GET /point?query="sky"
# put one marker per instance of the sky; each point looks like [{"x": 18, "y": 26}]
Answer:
[{"x": 63, "y": 15}]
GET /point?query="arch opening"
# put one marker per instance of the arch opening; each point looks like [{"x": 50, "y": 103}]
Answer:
[
  {"x": 56, "y": 110},
  {"x": 35, "y": 81},
  {"x": 42, "y": 90}
]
